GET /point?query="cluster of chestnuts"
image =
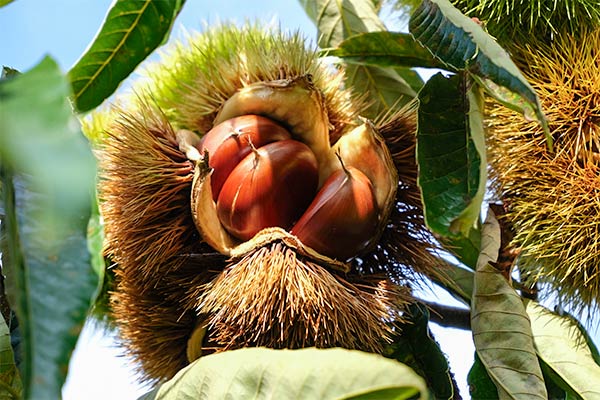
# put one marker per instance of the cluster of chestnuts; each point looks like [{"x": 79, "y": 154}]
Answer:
[{"x": 264, "y": 178}]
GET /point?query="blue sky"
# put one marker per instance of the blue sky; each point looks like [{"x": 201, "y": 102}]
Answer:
[{"x": 30, "y": 29}]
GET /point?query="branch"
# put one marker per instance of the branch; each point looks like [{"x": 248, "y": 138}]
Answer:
[{"x": 451, "y": 317}]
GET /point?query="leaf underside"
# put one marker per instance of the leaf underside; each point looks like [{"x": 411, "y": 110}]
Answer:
[{"x": 260, "y": 373}]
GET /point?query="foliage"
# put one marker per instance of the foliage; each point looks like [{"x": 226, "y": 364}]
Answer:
[{"x": 51, "y": 233}]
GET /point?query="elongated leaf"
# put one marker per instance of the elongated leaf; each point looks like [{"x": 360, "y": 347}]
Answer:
[
  {"x": 563, "y": 348},
  {"x": 339, "y": 20},
  {"x": 384, "y": 49},
  {"x": 451, "y": 154},
  {"x": 501, "y": 327},
  {"x": 10, "y": 381},
  {"x": 416, "y": 347},
  {"x": 256, "y": 373},
  {"x": 5, "y": 2},
  {"x": 462, "y": 44},
  {"x": 131, "y": 31},
  {"x": 45, "y": 259}
]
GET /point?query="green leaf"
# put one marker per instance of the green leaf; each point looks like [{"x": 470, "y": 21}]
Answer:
[
  {"x": 5, "y": 2},
  {"x": 131, "y": 31},
  {"x": 481, "y": 386},
  {"x": 259, "y": 373},
  {"x": 385, "y": 87},
  {"x": 451, "y": 154},
  {"x": 337, "y": 20},
  {"x": 384, "y": 49},
  {"x": 415, "y": 347},
  {"x": 10, "y": 381},
  {"x": 564, "y": 349},
  {"x": 501, "y": 327},
  {"x": 458, "y": 282},
  {"x": 465, "y": 248},
  {"x": 462, "y": 44},
  {"x": 45, "y": 259},
  {"x": 41, "y": 138},
  {"x": 411, "y": 77},
  {"x": 95, "y": 243}
]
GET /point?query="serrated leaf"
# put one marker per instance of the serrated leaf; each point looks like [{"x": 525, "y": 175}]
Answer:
[
  {"x": 384, "y": 49},
  {"x": 259, "y": 373},
  {"x": 10, "y": 381},
  {"x": 501, "y": 327},
  {"x": 462, "y": 44},
  {"x": 45, "y": 259},
  {"x": 337, "y": 20},
  {"x": 416, "y": 347},
  {"x": 451, "y": 154},
  {"x": 131, "y": 31},
  {"x": 564, "y": 349}
]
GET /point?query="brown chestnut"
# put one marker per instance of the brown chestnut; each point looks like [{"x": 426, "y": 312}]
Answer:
[
  {"x": 343, "y": 217},
  {"x": 270, "y": 187},
  {"x": 230, "y": 141}
]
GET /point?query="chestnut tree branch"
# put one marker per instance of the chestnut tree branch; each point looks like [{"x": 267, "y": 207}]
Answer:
[{"x": 451, "y": 317}]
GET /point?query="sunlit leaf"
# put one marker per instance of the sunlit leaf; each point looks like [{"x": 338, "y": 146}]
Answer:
[
  {"x": 259, "y": 373},
  {"x": 47, "y": 177},
  {"x": 384, "y": 49},
  {"x": 451, "y": 154},
  {"x": 501, "y": 327},
  {"x": 337, "y": 20},
  {"x": 10, "y": 381},
  {"x": 40, "y": 137},
  {"x": 461, "y": 43},
  {"x": 340, "y": 20},
  {"x": 5, "y": 2},
  {"x": 385, "y": 87},
  {"x": 564, "y": 349},
  {"x": 131, "y": 31}
]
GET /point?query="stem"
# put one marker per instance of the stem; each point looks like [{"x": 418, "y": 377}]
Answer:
[{"x": 451, "y": 317}]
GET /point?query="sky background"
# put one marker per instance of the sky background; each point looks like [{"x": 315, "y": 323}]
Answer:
[{"x": 31, "y": 29}]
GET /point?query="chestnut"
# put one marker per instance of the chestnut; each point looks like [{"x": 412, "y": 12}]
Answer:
[
  {"x": 343, "y": 217},
  {"x": 230, "y": 141},
  {"x": 271, "y": 187}
]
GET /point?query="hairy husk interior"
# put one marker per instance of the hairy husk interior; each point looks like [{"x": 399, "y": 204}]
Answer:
[
  {"x": 553, "y": 199},
  {"x": 171, "y": 282}
]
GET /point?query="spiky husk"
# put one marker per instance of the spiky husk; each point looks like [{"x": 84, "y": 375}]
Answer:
[
  {"x": 553, "y": 199},
  {"x": 195, "y": 78},
  {"x": 144, "y": 195},
  {"x": 527, "y": 21},
  {"x": 162, "y": 267},
  {"x": 275, "y": 298}
]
